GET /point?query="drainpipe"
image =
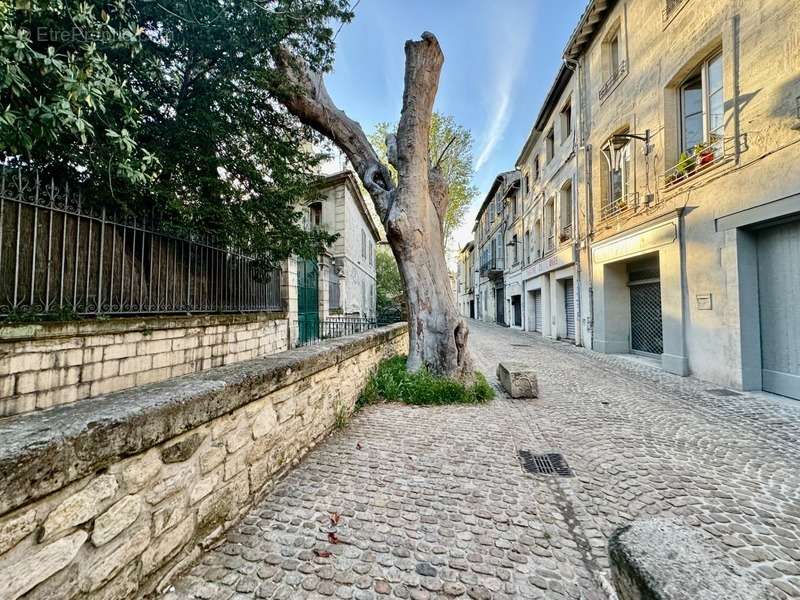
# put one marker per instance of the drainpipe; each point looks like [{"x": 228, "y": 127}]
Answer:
[{"x": 575, "y": 67}]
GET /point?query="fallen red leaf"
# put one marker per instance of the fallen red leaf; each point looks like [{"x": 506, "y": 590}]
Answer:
[
  {"x": 322, "y": 553},
  {"x": 335, "y": 517},
  {"x": 332, "y": 538}
]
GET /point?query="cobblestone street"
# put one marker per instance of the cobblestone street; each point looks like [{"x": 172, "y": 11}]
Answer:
[{"x": 434, "y": 502}]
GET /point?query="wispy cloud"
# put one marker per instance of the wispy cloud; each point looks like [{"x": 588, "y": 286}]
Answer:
[
  {"x": 509, "y": 40},
  {"x": 497, "y": 127}
]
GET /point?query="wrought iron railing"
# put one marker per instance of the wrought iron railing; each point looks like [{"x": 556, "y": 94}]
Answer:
[
  {"x": 619, "y": 207},
  {"x": 698, "y": 160},
  {"x": 493, "y": 263},
  {"x": 670, "y": 6},
  {"x": 337, "y": 327},
  {"x": 62, "y": 259},
  {"x": 618, "y": 73}
]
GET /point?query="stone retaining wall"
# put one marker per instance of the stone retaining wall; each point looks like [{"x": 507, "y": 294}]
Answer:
[
  {"x": 108, "y": 499},
  {"x": 47, "y": 364}
]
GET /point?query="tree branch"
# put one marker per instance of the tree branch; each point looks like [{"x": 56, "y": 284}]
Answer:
[{"x": 307, "y": 99}]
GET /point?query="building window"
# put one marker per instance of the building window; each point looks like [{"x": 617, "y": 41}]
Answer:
[
  {"x": 565, "y": 211},
  {"x": 514, "y": 207},
  {"x": 619, "y": 183},
  {"x": 566, "y": 122},
  {"x": 363, "y": 244},
  {"x": 315, "y": 213},
  {"x": 527, "y": 184},
  {"x": 550, "y": 144},
  {"x": 549, "y": 225},
  {"x": 526, "y": 249},
  {"x": 703, "y": 107},
  {"x": 614, "y": 65},
  {"x": 537, "y": 239},
  {"x": 515, "y": 242},
  {"x": 614, "y": 53},
  {"x": 536, "y": 172}
]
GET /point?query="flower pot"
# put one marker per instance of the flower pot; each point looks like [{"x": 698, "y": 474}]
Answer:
[{"x": 706, "y": 158}]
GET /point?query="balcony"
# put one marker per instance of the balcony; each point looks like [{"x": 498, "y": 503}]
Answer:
[
  {"x": 619, "y": 208},
  {"x": 492, "y": 267},
  {"x": 700, "y": 159},
  {"x": 622, "y": 68}
]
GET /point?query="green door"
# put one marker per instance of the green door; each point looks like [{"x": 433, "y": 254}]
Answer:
[{"x": 307, "y": 300}]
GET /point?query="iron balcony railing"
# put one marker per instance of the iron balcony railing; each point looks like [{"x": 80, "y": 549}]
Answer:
[
  {"x": 62, "y": 259},
  {"x": 670, "y": 6},
  {"x": 701, "y": 158},
  {"x": 620, "y": 71},
  {"x": 492, "y": 264},
  {"x": 619, "y": 207}
]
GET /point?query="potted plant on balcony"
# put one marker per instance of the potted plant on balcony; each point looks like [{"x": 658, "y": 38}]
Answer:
[
  {"x": 686, "y": 165},
  {"x": 704, "y": 154}
]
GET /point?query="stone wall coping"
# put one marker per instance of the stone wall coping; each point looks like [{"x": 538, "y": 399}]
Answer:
[
  {"x": 42, "y": 452},
  {"x": 122, "y": 325}
]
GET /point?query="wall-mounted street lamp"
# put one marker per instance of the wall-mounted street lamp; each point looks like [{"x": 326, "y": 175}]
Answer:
[{"x": 612, "y": 148}]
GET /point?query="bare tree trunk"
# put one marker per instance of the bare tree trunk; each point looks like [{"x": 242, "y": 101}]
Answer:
[{"x": 413, "y": 211}]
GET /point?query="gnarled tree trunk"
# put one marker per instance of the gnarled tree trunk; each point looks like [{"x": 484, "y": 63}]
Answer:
[{"x": 413, "y": 210}]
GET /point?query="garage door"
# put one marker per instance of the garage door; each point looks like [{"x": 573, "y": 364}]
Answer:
[
  {"x": 537, "y": 310},
  {"x": 778, "y": 293},
  {"x": 569, "y": 308}
]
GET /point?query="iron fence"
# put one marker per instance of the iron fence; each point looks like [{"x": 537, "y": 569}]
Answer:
[
  {"x": 60, "y": 257},
  {"x": 337, "y": 327}
]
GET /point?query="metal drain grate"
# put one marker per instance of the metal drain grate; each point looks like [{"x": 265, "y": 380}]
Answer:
[
  {"x": 545, "y": 464},
  {"x": 723, "y": 392}
]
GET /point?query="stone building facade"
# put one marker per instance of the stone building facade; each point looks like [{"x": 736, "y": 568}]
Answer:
[
  {"x": 465, "y": 280},
  {"x": 686, "y": 203},
  {"x": 548, "y": 167},
  {"x": 342, "y": 209},
  {"x": 490, "y": 249}
]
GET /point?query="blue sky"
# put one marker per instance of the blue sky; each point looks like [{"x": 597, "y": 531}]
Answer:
[{"x": 500, "y": 59}]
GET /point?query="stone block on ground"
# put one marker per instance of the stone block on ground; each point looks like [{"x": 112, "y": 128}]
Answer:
[
  {"x": 518, "y": 379},
  {"x": 661, "y": 559}
]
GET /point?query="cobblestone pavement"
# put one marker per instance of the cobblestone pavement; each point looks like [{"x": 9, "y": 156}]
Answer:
[{"x": 434, "y": 503}]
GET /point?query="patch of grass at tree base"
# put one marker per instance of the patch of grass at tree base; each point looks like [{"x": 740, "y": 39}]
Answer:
[{"x": 392, "y": 383}]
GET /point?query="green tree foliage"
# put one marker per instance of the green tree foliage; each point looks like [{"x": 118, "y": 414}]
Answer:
[
  {"x": 168, "y": 108},
  {"x": 64, "y": 104},
  {"x": 389, "y": 288},
  {"x": 451, "y": 144}
]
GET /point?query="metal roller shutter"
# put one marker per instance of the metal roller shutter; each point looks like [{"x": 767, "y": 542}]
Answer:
[
  {"x": 569, "y": 308},
  {"x": 537, "y": 310}
]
